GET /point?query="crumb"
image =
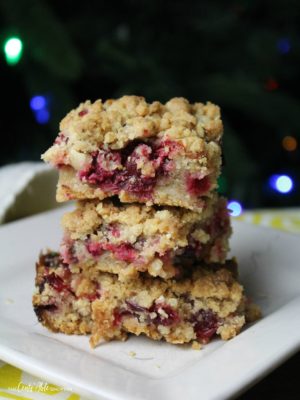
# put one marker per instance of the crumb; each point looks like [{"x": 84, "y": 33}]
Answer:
[
  {"x": 253, "y": 312},
  {"x": 132, "y": 354},
  {"x": 196, "y": 345}
]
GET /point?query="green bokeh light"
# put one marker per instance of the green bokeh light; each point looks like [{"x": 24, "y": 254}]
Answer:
[
  {"x": 222, "y": 184},
  {"x": 13, "y": 48}
]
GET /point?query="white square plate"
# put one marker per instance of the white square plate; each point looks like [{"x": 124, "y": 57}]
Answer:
[{"x": 270, "y": 270}]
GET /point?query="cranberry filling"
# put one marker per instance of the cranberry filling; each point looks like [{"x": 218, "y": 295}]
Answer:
[
  {"x": 123, "y": 252},
  {"x": 103, "y": 169},
  {"x": 56, "y": 282},
  {"x": 206, "y": 325},
  {"x": 95, "y": 249},
  {"x": 119, "y": 314},
  {"x": 161, "y": 309},
  {"x": 197, "y": 185},
  {"x": 114, "y": 171}
]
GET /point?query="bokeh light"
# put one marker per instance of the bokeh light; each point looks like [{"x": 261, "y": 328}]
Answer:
[
  {"x": 38, "y": 103},
  {"x": 283, "y": 45},
  {"x": 42, "y": 116},
  {"x": 235, "y": 208},
  {"x": 289, "y": 143},
  {"x": 222, "y": 184},
  {"x": 281, "y": 183},
  {"x": 271, "y": 85},
  {"x": 13, "y": 50}
]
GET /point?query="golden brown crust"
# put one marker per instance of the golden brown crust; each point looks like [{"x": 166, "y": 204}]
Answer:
[
  {"x": 217, "y": 291},
  {"x": 136, "y": 218},
  {"x": 132, "y": 238},
  {"x": 170, "y": 310},
  {"x": 116, "y": 122}
]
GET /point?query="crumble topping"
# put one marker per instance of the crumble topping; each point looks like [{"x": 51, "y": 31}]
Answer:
[
  {"x": 155, "y": 157},
  {"x": 207, "y": 303}
]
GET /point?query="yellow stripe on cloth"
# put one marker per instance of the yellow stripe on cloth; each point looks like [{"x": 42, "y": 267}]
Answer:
[
  {"x": 13, "y": 396},
  {"x": 73, "y": 397},
  {"x": 288, "y": 221}
]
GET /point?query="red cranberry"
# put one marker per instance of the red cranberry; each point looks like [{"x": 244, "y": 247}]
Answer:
[
  {"x": 172, "y": 316},
  {"x": 118, "y": 315},
  {"x": 168, "y": 148},
  {"x": 167, "y": 166},
  {"x": 115, "y": 231},
  {"x": 94, "y": 248},
  {"x": 91, "y": 297},
  {"x": 103, "y": 169},
  {"x": 197, "y": 185},
  {"x": 206, "y": 325},
  {"x": 66, "y": 273},
  {"x": 164, "y": 151},
  {"x": 114, "y": 171},
  {"x": 131, "y": 179},
  {"x": 83, "y": 112},
  {"x": 125, "y": 252},
  {"x": 56, "y": 282}
]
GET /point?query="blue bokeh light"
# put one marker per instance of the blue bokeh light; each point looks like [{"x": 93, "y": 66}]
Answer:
[
  {"x": 281, "y": 183},
  {"x": 235, "y": 208},
  {"x": 42, "y": 116},
  {"x": 283, "y": 45},
  {"x": 38, "y": 103}
]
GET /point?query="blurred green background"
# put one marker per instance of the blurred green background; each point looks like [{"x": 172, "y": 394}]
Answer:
[{"x": 243, "y": 55}]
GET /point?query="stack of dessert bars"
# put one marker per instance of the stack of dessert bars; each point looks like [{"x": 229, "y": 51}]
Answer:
[{"x": 145, "y": 249}]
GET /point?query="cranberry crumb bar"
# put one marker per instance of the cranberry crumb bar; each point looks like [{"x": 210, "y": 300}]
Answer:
[
  {"x": 166, "y": 154},
  {"x": 209, "y": 302},
  {"x": 129, "y": 238},
  {"x": 145, "y": 249}
]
